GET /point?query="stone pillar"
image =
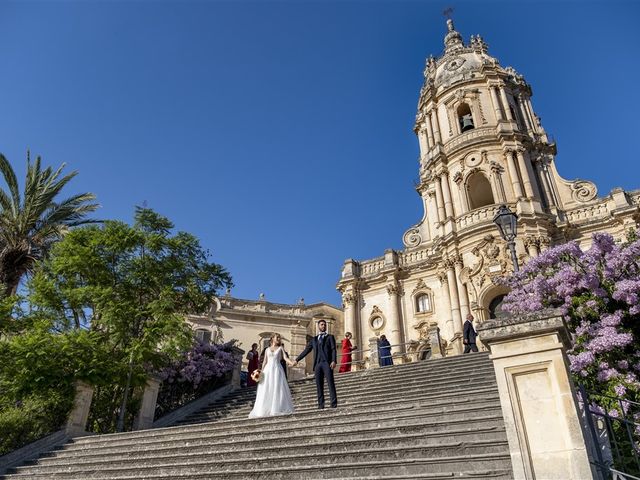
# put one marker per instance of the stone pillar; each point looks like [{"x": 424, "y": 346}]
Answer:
[
  {"x": 496, "y": 104},
  {"x": 513, "y": 173},
  {"x": 537, "y": 396},
  {"x": 146, "y": 414},
  {"x": 434, "y": 340},
  {"x": 235, "y": 375},
  {"x": 525, "y": 114},
  {"x": 505, "y": 102},
  {"x": 435, "y": 123},
  {"x": 422, "y": 140},
  {"x": 439, "y": 201},
  {"x": 455, "y": 305},
  {"x": 462, "y": 289},
  {"x": 524, "y": 171},
  {"x": 374, "y": 361},
  {"x": 496, "y": 171},
  {"x": 77, "y": 421},
  {"x": 542, "y": 174},
  {"x": 532, "y": 117},
  {"x": 429, "y": 129},
  {"x": 448, "y": 322},
  {"x": 395, "y": 330},
  {"x": 448, "y": 206}
]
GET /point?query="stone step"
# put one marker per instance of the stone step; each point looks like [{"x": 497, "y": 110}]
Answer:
[
  {"x": 411, "y": 421},
  {"x": 294, "y": 424},
  {"x": 391, "y": 436},
  {"x": 292, "y": 455},
  {"x": 240, "y": 410},
  {"x": 380, "y": 392},
  {"x": 409, "y": 380},
  {"x": 236, "y": 414},
  {"x": 310, "y": 466}
]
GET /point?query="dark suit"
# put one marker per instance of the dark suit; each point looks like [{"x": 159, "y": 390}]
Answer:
[
  {"x": 469, "y": 336},
  {"x": 324, "y": 353}
]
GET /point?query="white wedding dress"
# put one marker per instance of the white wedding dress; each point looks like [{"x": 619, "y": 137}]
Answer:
[{"x": 273, "y": 396}]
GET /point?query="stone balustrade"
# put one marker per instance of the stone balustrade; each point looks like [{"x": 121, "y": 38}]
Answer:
[
  {"x": 477, "y": 216},
  {"x": 469, "y": 137}
]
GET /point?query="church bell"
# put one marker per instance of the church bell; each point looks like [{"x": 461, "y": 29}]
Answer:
[{"x": 466, "y": 122}]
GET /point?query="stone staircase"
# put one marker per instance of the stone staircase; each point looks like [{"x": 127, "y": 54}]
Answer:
[{"x": 437, "y": 419}]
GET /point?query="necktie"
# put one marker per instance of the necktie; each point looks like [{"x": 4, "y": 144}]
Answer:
[{"x": 321, "y": 337}]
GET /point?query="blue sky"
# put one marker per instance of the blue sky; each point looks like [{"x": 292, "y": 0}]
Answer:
[{"x": 280, "y": 133}]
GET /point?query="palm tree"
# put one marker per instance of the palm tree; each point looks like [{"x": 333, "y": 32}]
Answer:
[{"x": 30, "y": 224}]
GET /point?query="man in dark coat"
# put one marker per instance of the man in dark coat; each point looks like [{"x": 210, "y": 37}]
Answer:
[
  {"x": 469, "y": 335},
  {"x": 384, "y": 352},
  {"x": 324, "y": 361}
]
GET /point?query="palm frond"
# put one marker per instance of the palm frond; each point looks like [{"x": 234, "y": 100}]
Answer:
[{"x": 11, "y": 180}]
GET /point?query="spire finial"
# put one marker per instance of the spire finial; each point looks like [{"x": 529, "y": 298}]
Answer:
[{"x": 447, "y": 13}]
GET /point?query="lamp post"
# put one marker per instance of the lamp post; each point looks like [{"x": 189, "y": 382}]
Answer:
[{"x": 505, "y": 220}]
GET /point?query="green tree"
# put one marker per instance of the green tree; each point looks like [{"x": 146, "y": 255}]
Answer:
[
  {"x": 133, "y": 285},
  {"x": 32, "y": 222}
]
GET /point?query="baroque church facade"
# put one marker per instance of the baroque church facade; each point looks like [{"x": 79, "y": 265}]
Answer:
[{"x": 481, "y": 146}]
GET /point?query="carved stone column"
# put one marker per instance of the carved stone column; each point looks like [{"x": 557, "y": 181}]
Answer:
[
  {"x": 429, "y": 129},
  {"x": 77, "y": 420},
  {"x": 439, "y": 201},
  {"x": 455, "y": 301},
  {"x": 395, "y": 325},
  {"x": 544, "y": 180},
  {"x": 496, "y": 174},
  {"x": 524, "y": 171},
  {"x": 496, "y": 104},
  {"x": 423, "y": 141},
  {"x": 448, "y": 319},
  {"x": 462, "y": 289},
  {"x": 525, "y": 114},
  {"x": 505, "y": 102},
  {"x": 446, "y": 191},
  {"x": 531, "y": 244},
  {"x": 464, "y": 204},
  {"x": 513, "y": 173},
  {"x": 537, "y": 396},
  {"x": 435, "y": 123}
]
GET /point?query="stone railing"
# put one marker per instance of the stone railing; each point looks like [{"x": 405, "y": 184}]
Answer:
[
  {"x": 474, "y": 217},
  {"x": 591, "y": 212},
  {"x": 371, "y": 267},
  {"x": 409, "y": 258},
  {"x": 469, "y": 137}
]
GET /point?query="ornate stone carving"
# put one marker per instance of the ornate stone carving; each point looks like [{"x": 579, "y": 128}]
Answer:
[
  {"x": 393, "y": 289},
  {"x": 420, "y": 286},
  {"x": 583, "y": 191},
  {"x": 457, "y": 178},
  {"x": 412, "y": 238},
  {"x": 348, "y": 299}
]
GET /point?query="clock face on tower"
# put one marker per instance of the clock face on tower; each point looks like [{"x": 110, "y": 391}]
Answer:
[
  {"x": 377, "y": 323},
  {"x": 454, "y": 63}
]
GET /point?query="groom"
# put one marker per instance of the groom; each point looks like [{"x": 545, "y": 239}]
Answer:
[{"x": 324, "y": 361}]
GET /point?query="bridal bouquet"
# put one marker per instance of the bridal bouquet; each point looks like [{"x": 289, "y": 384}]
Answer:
[{"x": 256, "y": 375}]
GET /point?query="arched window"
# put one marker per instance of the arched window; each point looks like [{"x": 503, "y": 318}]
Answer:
[
  {"x": 423, "y": 303},
  {"x": 203, "y": 336},
  {"x": 465, "y": 118},
  {"x": 479, "y": 190}
]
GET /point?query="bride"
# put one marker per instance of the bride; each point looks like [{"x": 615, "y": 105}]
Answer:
[{"x": 273, "y": 396}]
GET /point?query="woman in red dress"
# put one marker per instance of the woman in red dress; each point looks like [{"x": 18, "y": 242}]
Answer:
[
  {"x": 254, "y": 363},
  {"x": 346, "y": 358}
]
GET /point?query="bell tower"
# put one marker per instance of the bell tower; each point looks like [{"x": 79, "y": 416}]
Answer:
[{"x": 481, "y": 146}]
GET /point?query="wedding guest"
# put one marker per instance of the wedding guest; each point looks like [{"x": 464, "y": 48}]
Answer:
[
  {"x": 384, "y": 351},
  {"x": 254, "y": 363},
  {"x": 346, "y": 358},
  {"x": 469, "y": 335}
]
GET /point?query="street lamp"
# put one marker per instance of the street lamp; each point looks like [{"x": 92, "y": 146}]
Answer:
[{"x": 505, "y": 220}]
